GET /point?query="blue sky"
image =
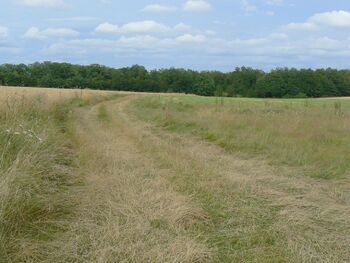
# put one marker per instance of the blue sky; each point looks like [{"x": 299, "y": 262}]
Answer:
[{"x": 197, "y": 34}]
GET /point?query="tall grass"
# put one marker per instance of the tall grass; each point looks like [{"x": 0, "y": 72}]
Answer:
[
  {"x": 36, "y": 172},
  {"x": 35, "y": 168},
  {"x": 299, "y": 133}
]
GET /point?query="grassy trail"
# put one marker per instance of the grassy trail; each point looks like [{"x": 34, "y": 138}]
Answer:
[{"x": 155, "y": 196}]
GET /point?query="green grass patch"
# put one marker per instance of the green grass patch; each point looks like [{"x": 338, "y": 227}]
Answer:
[
  {"x": 103, "y": 114},
  {"x": 313, "y": 135}
]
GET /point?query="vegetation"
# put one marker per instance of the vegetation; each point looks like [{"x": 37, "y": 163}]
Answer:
[
  {"x": 262, "y": 207},
  {"x": 36, "y": 171},
  {"x": 312, "y": 134},
  {"x": 172, "y": 178},
  {"x": 242, "y": 82}
]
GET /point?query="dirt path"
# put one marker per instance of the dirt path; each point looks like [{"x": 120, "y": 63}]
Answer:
[{"x": 154, "y": 196}]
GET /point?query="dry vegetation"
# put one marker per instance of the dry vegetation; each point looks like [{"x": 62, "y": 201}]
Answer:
[
  {"x": 36, "y": 168},
  {"x": 268, "y": 206},
  {"x": 127, "y": 211},
  {"x": 10, "y": 95},
  {"x": 171, "y": 179}
]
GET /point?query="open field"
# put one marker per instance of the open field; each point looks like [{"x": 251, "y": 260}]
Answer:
[
  {"x": 120, "y": 177},
  {"x": 10, "y": 95},
  {"x": 308, "y": 134}
]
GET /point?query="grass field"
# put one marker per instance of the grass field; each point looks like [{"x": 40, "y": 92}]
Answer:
[
  {"x": 92, "y": 176},
  {"x": 308, "y": 134},
  {"x": 36, "y": 168}
]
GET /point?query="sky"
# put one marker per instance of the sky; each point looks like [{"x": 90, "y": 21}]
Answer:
[{"x": 195, "y": 34}]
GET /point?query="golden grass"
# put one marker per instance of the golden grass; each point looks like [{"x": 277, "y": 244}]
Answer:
[
  {"x": 97, "y": 184},
  {"x": 10, "y": 95},
  {"x": 36, "y": 169},
  {"x": 127, "y": 211}
]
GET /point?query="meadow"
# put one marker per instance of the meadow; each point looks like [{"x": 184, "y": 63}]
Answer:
[
  {"x": 312, "y": 134},
  {"x": 94, "y": 176},
  {"x": 36, "y": 167}
]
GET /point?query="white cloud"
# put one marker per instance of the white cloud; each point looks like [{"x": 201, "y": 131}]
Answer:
[
  {"x": 307, "y": 26},
  {"x": 107, "y": 28},
  {"x": 139, "y": 44},
  {"x": 197, "y": 6},
  {"x": 147, "y": 26},
  {"x": 145, "y": 43},
  {"x": 326, "y": 43},
  {"x": 157, "y": 8},
  {"x": 275, "y": 48},
  {"x": 182, "y": 27},
  {"x": 248, "y": 7},
  {"x": 43, "y": 3},
  {"x": 3, "y": 32},
  {"x": 274, "y": 2},
  {"x": 334, "y": 19},
  {"x": 36, "y": 33},
  {"x": 280, "y": 48},
  {"x": 81, "y": 46},
  {"x": 195, "y": 39}
]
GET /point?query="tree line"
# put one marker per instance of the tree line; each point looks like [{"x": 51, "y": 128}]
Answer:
[{"x": 241, "y": 82}]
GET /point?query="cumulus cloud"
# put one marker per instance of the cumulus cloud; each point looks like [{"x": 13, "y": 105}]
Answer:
[
  {"x": 157, "y": 8},
  {"x": 147, "y": 26},
  {"x": 107, "y": 28},
  {"x": 43, "y": 3},
  {"x": 197, "y": 6},
  {"x": 276, "y": 48},
  {"x": 144, "y": 27},
  {"x": 37, "y": 34},
  {"x": 334, "y": 19}
]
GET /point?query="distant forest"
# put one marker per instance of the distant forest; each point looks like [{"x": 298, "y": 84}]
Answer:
[{"x": 242, "y": 82}]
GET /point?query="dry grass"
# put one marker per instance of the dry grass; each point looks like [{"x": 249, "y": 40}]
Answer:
[
  {"x": 127, "y": 211},
  {"x": 47, "y": 97},
  {"x": 122, "y": 190},
  {"x": 262, "y": 212},
  {"x": 36, "y": 169}
]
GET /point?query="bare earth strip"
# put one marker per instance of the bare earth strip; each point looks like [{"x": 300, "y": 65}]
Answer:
[{"x": 154, "y": 196}]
